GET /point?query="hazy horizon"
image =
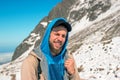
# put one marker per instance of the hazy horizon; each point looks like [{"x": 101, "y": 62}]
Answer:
[{"x": 18, "y": 19}]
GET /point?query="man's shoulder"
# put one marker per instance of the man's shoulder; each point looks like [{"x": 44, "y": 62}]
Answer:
[
  {"x": 30, "y": 60},
  {"x": 37, "y": 51}
]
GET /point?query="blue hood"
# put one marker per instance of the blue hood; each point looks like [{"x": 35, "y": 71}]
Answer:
[
  {"x": 55, "y": 63},
  {"x": 45, "y": 43}
]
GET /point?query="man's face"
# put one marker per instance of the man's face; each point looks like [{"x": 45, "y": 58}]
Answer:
[{"x": 57, "y": 39}]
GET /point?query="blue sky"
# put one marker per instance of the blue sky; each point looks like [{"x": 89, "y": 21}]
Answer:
[{"x": 18, "y": 18}]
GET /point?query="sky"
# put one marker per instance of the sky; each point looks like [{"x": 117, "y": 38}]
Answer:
[{"x": 18, "y": 18}]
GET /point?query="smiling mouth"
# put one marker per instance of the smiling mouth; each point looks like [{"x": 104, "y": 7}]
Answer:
[{"x": 58, "y": 45}]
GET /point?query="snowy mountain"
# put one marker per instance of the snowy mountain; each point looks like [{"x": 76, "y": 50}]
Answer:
[{"x": 94, "y": 41}]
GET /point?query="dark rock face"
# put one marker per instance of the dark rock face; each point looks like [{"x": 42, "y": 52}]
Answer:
[
  {"x": 61, "y": 10},
  {"x": 108, "y": 28},
  {"x": 73, "y": 11}
]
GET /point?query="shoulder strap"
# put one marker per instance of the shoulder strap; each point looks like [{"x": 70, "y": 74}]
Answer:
[{"x": 39, "y": 69}]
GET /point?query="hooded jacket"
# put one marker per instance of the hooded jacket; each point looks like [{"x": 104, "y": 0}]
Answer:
[
  {"x": 55, "y": 63},
  {"x": 52, "y": 68}
]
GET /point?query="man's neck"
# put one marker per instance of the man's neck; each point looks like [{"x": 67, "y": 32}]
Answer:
[{"x": 55, "y": 52}]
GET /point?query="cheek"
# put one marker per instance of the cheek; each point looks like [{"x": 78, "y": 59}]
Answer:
[
  {"x": 63, "y": 41},
  {"x": 52, "y": 38}
]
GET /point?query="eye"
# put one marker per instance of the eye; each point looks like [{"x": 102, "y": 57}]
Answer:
[
  {"x": 63, "y": 36},
  {"x": 57, "y": 34}
]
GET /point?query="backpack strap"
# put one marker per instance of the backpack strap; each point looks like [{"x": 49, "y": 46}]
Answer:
[{"x": 39, "y": 69}]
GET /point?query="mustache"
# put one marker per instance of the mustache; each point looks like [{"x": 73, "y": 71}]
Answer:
[{"x": 60, "y": 42}]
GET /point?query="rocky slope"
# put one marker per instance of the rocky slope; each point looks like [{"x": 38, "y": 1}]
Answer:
[{"x": 94, "y": 41}]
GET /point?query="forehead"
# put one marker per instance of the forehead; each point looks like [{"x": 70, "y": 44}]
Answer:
[{"x": 59, "y": 28}]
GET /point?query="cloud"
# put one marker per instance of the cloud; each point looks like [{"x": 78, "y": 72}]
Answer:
[{"x": 5, "y": 57}]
